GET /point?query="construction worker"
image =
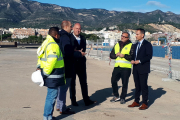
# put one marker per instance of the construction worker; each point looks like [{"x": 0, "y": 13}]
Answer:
[
  {"x": 122, "y": 53},
  {"x": 51, "y": 64}
]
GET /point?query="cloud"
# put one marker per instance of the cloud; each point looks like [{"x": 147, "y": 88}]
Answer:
[{"x": 155, "y": 3}]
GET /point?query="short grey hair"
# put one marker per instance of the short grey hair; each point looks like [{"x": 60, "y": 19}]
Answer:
[{"x": 126, "y": 33}]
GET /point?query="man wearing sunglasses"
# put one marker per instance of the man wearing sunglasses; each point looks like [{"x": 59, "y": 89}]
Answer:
[{"x": 122, "y": 53}]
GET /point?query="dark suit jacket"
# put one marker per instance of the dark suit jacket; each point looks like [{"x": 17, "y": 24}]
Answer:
[
  {"x": 67, "y": 51},
  {"x": 79, "y": 61},
  {"x": 144, "y": 55}
]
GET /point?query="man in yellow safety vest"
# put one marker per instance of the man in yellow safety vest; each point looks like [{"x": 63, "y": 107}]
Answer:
[
  {"x": 51, "y": 65},
  {"x": 122, "y": 53}
]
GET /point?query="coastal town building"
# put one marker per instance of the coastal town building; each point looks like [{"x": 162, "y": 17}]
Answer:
[
  {"x": 43, "y": 32},
  {"x": 21, "y": 33}
]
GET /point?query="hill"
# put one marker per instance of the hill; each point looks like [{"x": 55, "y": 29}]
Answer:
[{"x": 28, "y": 13}]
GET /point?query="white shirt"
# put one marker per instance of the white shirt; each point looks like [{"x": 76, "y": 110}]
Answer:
[{"x": 77, "y": 38}]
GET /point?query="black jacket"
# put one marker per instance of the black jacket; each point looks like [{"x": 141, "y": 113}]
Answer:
[
  {"x": 68, "y": 51},
  {"x": 127, "y": 57},
  {"x": 144, "y": 54},
  {"x": 79, "y": 61}
]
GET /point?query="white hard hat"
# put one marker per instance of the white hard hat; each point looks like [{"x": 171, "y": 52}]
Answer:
[{"x": 37, "y": 78}]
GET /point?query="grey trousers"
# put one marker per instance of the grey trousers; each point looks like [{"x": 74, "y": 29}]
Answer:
[{"x": 61, "y": 99}]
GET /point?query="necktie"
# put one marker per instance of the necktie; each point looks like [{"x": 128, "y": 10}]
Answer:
[{"x": 137, "y": 49}]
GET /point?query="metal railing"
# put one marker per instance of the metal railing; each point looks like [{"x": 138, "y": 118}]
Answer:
[{"x": 101, "y": 51}]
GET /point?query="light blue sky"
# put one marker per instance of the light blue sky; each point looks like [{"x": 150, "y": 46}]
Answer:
[{"x": 120, "y": 5}]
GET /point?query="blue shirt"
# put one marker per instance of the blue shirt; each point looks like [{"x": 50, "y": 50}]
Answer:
[{"x": 78, "y": 39}]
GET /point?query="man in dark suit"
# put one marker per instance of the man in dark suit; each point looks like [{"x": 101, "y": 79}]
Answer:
[
  {"x": 141, "y": 68},
  {"x": 79, "y": 43},
  {"x": 67, "y": 51}
]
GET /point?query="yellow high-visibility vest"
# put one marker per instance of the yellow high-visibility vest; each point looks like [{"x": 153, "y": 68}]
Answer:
[
  {"x": 122, "y": 62},
  {"x": 51, "y": 61}
]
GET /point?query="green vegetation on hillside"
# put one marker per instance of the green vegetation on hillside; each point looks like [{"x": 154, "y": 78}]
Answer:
[
  {"x": 173, "y": 24},
  {"x": 90, "y": 36},
  {"x": 133, "y": 26}
]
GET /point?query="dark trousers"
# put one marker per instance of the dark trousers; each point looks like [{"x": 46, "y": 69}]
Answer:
[
  {"x": 81, "y": 72},
  {"x": 124, "y": 74},
  {"x": 140, "y": 81}
]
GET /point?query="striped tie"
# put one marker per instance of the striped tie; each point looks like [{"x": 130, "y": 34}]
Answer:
[
  {"x": 138, "y": 46},
  {"x": 137, "y": 49}
]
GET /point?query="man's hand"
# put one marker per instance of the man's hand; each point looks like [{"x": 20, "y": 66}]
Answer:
[
  {"x": 136, "y": 62},
  {"x": 132, "y": 62},
  {"x": 118, "y": 54},
  {"x": 121, "y": 55},
  {"x": 80, "y": 50},
  {"x": 83, "y": 53}
]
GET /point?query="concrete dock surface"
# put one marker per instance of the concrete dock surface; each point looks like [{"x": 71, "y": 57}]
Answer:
[{"x": 21, "y": 99}]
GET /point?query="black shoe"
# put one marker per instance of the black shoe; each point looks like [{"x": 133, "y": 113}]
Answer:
[
  {"x": 67, "y": 111},
  {"x": 74, "y": 104},
  {"x": 90, "y": 102},
  {"x": 53, "y": 118},
  {"x": 115, "y": 99},
  {"x": 122, "y": 101}
]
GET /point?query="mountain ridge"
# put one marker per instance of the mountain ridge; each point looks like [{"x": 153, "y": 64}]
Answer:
[{"x": 28, "y": 13}]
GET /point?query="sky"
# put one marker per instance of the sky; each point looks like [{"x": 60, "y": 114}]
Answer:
[{"x": 120, "y": 5}]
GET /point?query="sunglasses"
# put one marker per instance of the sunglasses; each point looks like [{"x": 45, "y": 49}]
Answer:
[{"x": 124, "y": 36}]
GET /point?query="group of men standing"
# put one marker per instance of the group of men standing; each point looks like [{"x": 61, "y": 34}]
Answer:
[
  {"x": 139, "y": 55},
  {"x": 62, "y": 58}
]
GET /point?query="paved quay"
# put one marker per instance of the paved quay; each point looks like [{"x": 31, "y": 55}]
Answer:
[{"x": 21, "y": 99}]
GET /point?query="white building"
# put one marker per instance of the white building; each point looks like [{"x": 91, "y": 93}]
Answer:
[
  {"x": 21, "y": 33},
  {"x": 113, "y": 27}
]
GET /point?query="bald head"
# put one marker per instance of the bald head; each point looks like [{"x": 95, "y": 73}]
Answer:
[
  {"x": 66, "y": 25},
  {"x": 77, "y": 25},
  {"x": 77, "y": 29}
]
